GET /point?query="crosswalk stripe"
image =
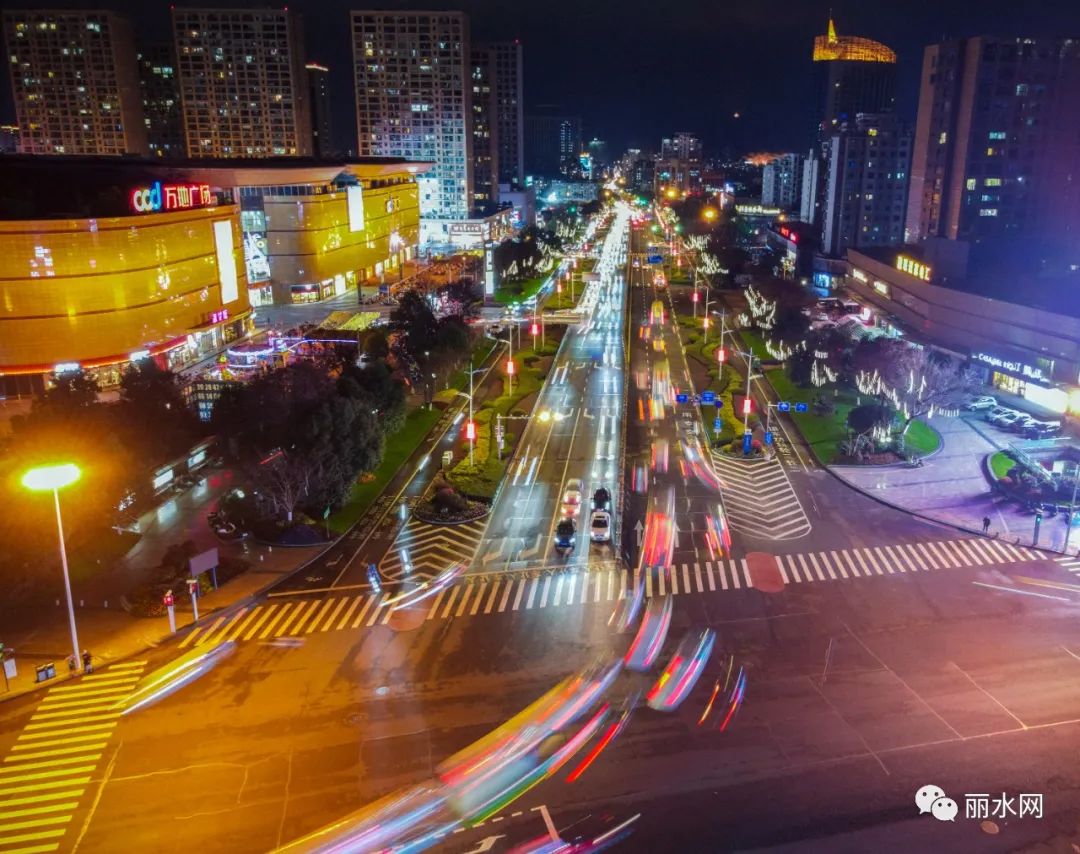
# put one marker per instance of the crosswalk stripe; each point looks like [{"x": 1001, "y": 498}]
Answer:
[
  {"x": 895, "y": 558},
  {"x": 532, "y": 593},
  {"x": 942, "y": 557},
  {"x": 673, "y": 578},
  {"x": 479, "y": 599},
  {"x": 214, "y": 626},
  {"x": 31, "y": 736},
  {"x": 314, "y": 624},
  {"x": 243, "y": 626},
  {"x": 968, "y": 549},
  {"x": 43, "y": 821},
  {"x": 298, "y": 626},
  {"x": 913, "y": 556},
  {"x": 697, "y": 578},
  {"x": 191, "y": 636},
  {"x": 709, "y": 575},
  {"x": 50, "y": 706},
  {"x": 379, "y": 602},
  {"x": 267, "y": 610},
  {"x": 780, "y": 566},
  {"x": 491, "y": 599},
  {"x": 435, "y": 605},
  {"x": 334, "y": 614},
  {"x": 49, "y": 784},
  {"x": 835, "y": 558},
  {"x": 955, "y": 552},
  {"x": 805, "y": 568},
  {"x": 1014, "y": 550},
  {"x": 661, "y": 581},
  {"x": 42, "y": 808},
  {"x": 734, "y": 574},
  {"x": 463, "y": 602},
  {"x": 283, "y": 629},
  {"x": 544, "y": 592},
  {"x": 522, "y": 583},
  {"x": 883, "y": 560},
  {"x": 45, "y": 775},
  {"x": 1031, "y": 554},
  {"x": 686, "y": 578},
  {"x": 66, "y": 751},
  {"x": 353, "y": 605},
  {"x": 278, "y": 614},
  {"x": 49, "y": 763},
  {"x": 623, "y": 585},
  {"x": 931, "y": 560},
  {"x": 994, "y": 547},
  {"x": 867, "y": 571},
  {"x": 86, "y": 686},
  {"x": 817, "y": 569},
  {"x": 559, "y": 592},
  {"x": 29, "y": 837},
  {"x": 38, "y": 723},
  {"x": 507, "y": 590},
  {"x": 368, "y": 602}
]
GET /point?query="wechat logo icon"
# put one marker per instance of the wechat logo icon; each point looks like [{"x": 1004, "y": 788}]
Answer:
[{"x": 933, "y": 800}]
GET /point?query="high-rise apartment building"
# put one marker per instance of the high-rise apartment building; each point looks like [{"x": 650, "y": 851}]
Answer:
[
  {"x": 75, "y": 82},
  {"x": 509, "y": 111},
  {"x": 485, "y": 130},
  {"x": 781, "y": 182},
  {"x": 854, "y": 75},
  {"x": 678, "y": 168},
  {"x": 866, "y": 184},
  {"x": 997, "y": 143},
  {"x": 413, "y": 100},
  {"x": 242, "y": 82},
  {"x": 322, "y": 127},
  {"x": 552, "y": 142},
  {"x": 161, "y": 101}
]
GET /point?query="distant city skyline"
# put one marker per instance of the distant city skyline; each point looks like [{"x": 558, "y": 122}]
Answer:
[{"x": 757, "y": 65}]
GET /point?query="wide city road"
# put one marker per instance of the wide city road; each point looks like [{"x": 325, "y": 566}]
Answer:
[{"x": 574, "y": 432}]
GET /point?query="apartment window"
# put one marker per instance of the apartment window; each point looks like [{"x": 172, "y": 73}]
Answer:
[
  {"x": 988, "y": 211},
  {"x": 943, "y": 138}
]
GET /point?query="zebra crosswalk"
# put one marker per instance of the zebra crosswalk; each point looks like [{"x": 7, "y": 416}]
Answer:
[
  {"x": 423, "y": 550},
  {"x": 1069, "y": 563},
  {"x": 759, "y": 499},
  {"x": 283, "y": 617},
  {"x": 53, "y": 760}
]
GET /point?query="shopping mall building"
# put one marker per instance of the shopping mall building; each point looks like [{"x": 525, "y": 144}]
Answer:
[
  {"x": 107, "y": 260},
  {"x": 1025, "y": 339}
]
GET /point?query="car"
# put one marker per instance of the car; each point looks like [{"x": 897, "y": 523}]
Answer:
[
  {"x": 992, "y": 415},
  {"x": 601, "y": 499},
  {"x": 600, "y": 526},
  {"x": 1008, "y": 419},
  {"x": 1020, "y": 423},
  {"x": 1042, "y": 429},
  {"x": 983, "y": 401},
  {"x": 565, "y": 534},
  {"x": 681, "y": 673},
  {"x": 572, "y": 495}
]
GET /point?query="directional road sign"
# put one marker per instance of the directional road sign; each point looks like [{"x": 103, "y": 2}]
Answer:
[
  {"x": 681, "y": 398},
  {"x": 708, "y": 397},
  {"x": 783, "y": 406},
  {"x": 800, "y": 407}
]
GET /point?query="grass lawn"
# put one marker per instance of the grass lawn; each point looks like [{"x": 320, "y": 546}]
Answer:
[
  {"x": 756, "y": 344},
  {"x": 399, "y": 447},
  {"x": 519, "y": 291},
  {"x": 922, "y": 439},
  {"x": 1001, "y": 464}
]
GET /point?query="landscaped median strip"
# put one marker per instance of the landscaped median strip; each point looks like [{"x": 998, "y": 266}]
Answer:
[{"x": 53, "y": 760}]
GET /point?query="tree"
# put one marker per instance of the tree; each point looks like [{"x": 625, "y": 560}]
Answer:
[
  {"x": 863, "y": 419},
  {"x": 69, "y": 392},
  {"x": 461, "y": 298},
  {"x": 790, "y": 325},
  {"x": 415, "y": 319},
  {"x": 376, "y": 386},
  {"x": 375, "y": 344},
  {"x": 151, "y": 397},
  {"x": 920, "y": 382},
  {"x": 282, "y": 479}
]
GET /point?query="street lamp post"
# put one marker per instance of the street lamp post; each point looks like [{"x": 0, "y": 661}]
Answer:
[
  {"x": 55, "y": 478},
  {"x": 749, "y": 374},
  {"x": 509, "y": 341}
]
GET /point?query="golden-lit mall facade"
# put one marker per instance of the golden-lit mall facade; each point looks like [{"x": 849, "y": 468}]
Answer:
[{"x": 172, "y": 271}]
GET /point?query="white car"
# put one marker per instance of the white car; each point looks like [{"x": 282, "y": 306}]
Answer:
[
  {"x": 984, "y": 401},
  {"x": 600, "y": 526},
  {"x": 992, "y": 415}
]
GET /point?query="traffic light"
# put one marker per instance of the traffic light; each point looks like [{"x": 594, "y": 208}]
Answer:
[
  {"x": 510, "y": 367},
  {"x": 694, "y": 297},
  {"x": 721, "y": 355},
  {"x": 535, "y": 329},
  {"x": 470, "y": 431},
  {"x": 747, "y": 406}
]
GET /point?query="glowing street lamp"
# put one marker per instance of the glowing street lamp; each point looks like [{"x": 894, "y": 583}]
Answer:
[{"x": 55, "y": 478}]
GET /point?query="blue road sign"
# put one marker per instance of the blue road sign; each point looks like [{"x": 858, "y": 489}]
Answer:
[
  {"x": 746, "y": 442},
  {"x": 681, "y": 398},
  {"x": 656, "y": 259},
  {"x": 768, "y": 437},
  {"x": 708, "y": 397},
  {"x": 719, "y": 404},
  {"x": 783, "y": 406},
  {"x": 800, "y": 407},
  {"x": 718, "y": 424},
  {"x": 384, "y": 289}
]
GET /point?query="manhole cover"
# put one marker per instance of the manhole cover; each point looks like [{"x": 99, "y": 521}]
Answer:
[
  {"x": 764, "y": 573},
  {"x": 990, "y": 827}
]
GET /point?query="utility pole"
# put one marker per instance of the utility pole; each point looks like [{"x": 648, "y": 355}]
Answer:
[{"x": 749, "y": 374}]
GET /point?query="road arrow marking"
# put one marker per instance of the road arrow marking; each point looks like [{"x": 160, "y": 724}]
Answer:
[{"x": 639, "y": 528}]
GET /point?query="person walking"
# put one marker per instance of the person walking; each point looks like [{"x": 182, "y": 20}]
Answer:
[
  {"x": 87, "y": 661},
  {"x": 986, "y": 524}
]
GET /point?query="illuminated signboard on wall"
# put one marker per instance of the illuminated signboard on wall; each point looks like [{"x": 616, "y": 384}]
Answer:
[
  {"x": 354, "y": 198},
  {"x": 226, "y": 261},
  {"x": 489, "y": 270},
  {"x": 1009, "y": 365},
  {"x": 881, "y": 287},
  {"x": 859, "y": 275},
  {"x": 170, "y": 197},
  {"x": 912, "y": 267}
]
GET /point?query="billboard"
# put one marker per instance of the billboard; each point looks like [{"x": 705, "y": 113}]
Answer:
[{"x": 354, "y": 197}]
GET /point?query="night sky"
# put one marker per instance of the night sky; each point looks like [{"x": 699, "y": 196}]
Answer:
[{"x": 637, "y": 69}]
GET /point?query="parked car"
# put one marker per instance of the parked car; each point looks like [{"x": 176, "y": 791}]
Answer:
[
  {"x": 1020, "y": 423},
  {"x": 1042, "y": 429},
  {"x": 992, "y": 415},
  {"x": 572, "y": 496},
  {"x": 981, "y": 402},
  {"x": 1008, "y": 419}
]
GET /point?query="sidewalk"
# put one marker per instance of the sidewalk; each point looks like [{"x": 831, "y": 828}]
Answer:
[
  {"x": 950, "y": 487},
  {"x": 111, "y": 633}
]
